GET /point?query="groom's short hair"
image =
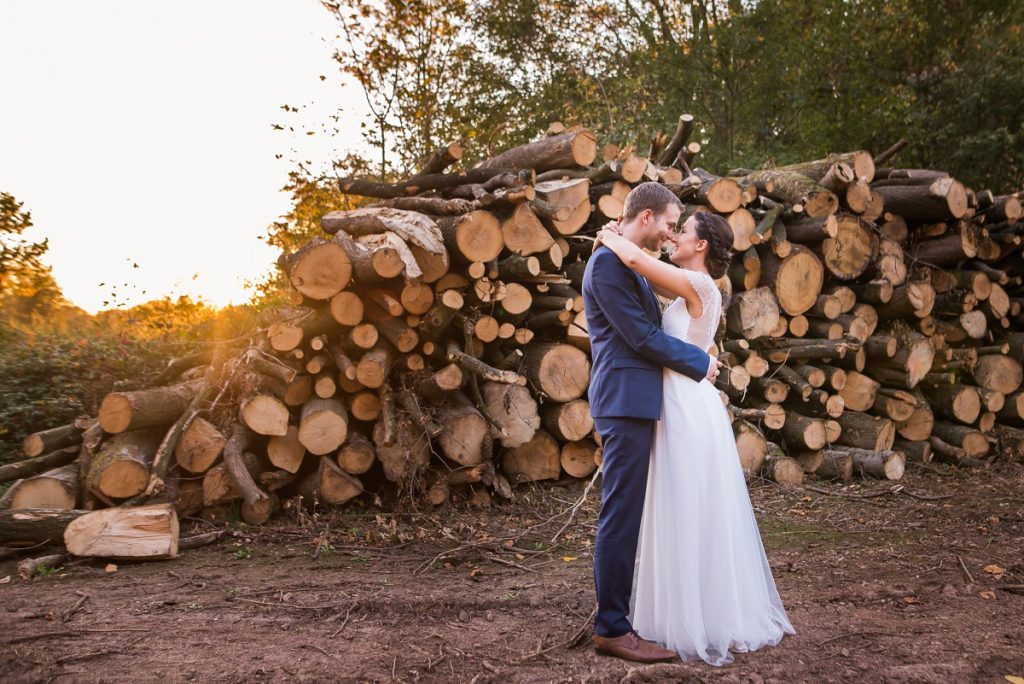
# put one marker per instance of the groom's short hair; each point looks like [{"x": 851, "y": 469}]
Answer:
[{"x": 653, "y": 196}]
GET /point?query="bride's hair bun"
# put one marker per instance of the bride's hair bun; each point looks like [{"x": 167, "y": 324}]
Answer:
[{"x": 717, "y": 232}]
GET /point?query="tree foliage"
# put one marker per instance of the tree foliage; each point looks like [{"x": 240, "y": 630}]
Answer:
[
  {"x": 28, "y": 291},
  {"x": 768, "y": 80}
]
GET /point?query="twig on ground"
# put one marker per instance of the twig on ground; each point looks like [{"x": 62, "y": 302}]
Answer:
[
  {"x": 963, "y": 566},
  {"x": 495, "y": 559},
  {"x": 576, "y": 506},
  {"x": 899, "y": 489},
  {"x": 317, "y": 648},
  {"x": 70, "y": 612},
  {"x": 571, "y": 642},
  {"x": 851, "y": 634},
  {"x": 821, "y": 490},
  {"x": 80, "y": 632}
]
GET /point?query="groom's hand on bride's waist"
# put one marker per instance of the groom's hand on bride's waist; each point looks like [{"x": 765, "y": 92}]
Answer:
[{"x": 713, "y": 370}]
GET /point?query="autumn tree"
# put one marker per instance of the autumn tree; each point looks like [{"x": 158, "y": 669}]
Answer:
[{"x": 27, "y": 287}]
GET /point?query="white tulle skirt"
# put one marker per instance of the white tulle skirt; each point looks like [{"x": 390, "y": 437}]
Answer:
[{"x": 703, "y": 586}]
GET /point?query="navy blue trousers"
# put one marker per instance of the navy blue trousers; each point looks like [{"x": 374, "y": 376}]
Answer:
[{"x": 626, "y": 453}]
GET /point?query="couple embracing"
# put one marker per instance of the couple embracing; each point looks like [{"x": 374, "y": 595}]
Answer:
[{"x": 678, "y": 556}]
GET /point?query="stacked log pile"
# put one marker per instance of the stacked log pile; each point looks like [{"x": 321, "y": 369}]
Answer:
[{"x": 436, "y": 344}]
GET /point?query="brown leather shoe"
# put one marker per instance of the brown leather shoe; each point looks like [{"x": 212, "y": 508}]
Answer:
[{"x": 630, "y": 646}]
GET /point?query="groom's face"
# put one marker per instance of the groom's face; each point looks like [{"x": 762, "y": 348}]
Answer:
[{"x": 658, "y": 227}]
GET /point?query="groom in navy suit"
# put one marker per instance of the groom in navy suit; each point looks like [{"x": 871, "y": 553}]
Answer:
[{"x": 629, "y": 350}]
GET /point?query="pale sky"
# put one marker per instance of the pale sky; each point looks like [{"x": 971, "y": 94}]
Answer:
[{"x": 140, "y": 133}]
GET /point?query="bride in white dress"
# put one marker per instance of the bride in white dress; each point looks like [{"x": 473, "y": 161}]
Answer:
[{"x": 703, "y": 586}]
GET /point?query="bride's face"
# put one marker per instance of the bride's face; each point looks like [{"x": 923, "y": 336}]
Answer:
[{"x": 685, "y": 243}]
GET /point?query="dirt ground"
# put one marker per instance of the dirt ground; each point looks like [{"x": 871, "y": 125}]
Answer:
[{"x": 919, "y": 582}]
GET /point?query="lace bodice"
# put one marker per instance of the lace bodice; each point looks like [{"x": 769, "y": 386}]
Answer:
[{"x": 697, "y": 331}]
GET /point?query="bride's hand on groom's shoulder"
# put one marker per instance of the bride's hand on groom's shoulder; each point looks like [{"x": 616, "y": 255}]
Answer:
[{"x": 607, "y": 235}]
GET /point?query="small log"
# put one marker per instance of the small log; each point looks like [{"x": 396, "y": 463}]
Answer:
[
  {"x": 52, "y": 440},
  {"x": 257, "y": 505},
  {"x": 537, "y": 459},
  {"x": 330, "y": 485},
  {"x": 810, "y": 461},
  {"x": 323, "y": 426},
  {"x": 859, "y": 392},
  {"x": 942, "y": 199},
  {"x": 407, "y": 455},
  {"x": 356, "y": 455},
  {"x": 803, "y": 432},
  {"x": 375, "y": 365},
  {"x": 865, "y": 431},
  {"x": 781, "y": 468},
  {"x": 465, "y": 431},
  {"x": 915, "y": 452},
  {"x": 751, "y": 446},
  {"x": 560, "y": 371},
  {"x": 575, "y": 148},
  {"x": 514, "y": 409},
  {"x": 579, "y": 458},
  {"x": 347, "y": 308},
  {"x": 139, "y": 533},
  {"x": 319, "y": 270},
  {"x": 568, "y": 422},
  {"x": 121, "y": 468},
  {"x": 56, "y": 488},
  {"x": 200, "y": 446},
  {"x": 524, "y": 234},
  {"x": 264, "y": 414},
  {"x": 286, "y": 451},
  {"x": 796, "y": 188},
  {"x": 886, "y": 465},
  {"x": 848, "y": 253},
  {"x": 33, "y": 466},
  {"x": 999, "y": 373},
  {"x": 30, "y": 567},
  {"x": 753, "y": 314},
  {"x": 959, "y": 402},
  {"x": 796, "y": 280},
  {"x": 123, "y": 411},
  {"x": 896, "y": 404},
  {"x": 836, "y": 465},
  {"x": 26, "y": 526},
  {"x": 474, "y": 237},
  {"x": 973, "y": 443}
]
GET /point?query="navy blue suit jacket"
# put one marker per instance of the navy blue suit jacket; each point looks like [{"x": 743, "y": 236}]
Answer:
[{"x": 628, "y": 346}]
